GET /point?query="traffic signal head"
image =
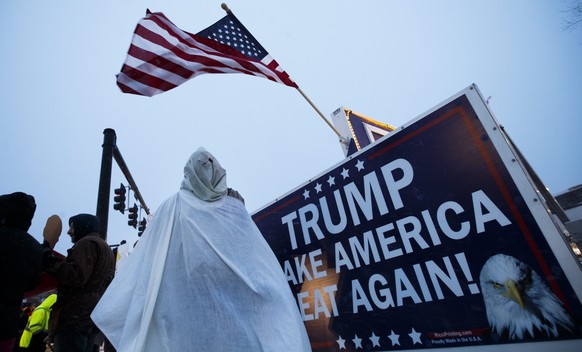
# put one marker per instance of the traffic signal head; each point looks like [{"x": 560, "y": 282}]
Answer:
[
  {"x": 142, "y": 226},
  {"x": 132, "y": 216},
  {"x": 119, "y": 199}
]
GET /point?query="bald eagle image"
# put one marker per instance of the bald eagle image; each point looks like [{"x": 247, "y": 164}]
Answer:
[{"x": 518, "y": 302}]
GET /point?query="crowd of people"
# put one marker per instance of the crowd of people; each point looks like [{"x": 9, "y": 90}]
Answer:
[
  {"x": 81, "y": 277},
  {"x": 201, "y": 248}
]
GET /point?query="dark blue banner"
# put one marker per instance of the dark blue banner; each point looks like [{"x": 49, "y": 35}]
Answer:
[{"x": 421, "y": 241}]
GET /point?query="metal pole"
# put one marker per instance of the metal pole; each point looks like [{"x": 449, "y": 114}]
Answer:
[
  {"x": 129, "y": 178},
  {"x": 102, "y": 213},
  {"x": 342, "y": 139},
  {"x": 551, "y": 202}
]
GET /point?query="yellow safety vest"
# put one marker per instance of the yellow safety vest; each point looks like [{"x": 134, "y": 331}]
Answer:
[{"x": 38, "y": 321}]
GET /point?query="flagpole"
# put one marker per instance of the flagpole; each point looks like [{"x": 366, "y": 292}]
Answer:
[{"x": 341, "y": 139}]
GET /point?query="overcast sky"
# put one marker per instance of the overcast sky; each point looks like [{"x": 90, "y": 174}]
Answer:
[{"x": 389, "y": 60}]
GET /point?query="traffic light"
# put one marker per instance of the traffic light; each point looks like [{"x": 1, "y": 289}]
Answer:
[
  {"x": 132, "y": 216},
  {"x": 119, "y": 199},
  {"x": 142, "y": 226}
]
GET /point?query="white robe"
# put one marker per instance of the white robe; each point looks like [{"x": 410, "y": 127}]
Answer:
[{"x": 201, "y": 278}]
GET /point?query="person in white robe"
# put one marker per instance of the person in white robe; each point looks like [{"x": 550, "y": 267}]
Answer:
[{"x": 201, "y": 278}]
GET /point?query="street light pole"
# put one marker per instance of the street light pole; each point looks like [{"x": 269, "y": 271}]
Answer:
[
  {"x": 110, "y": 152},
  {"x": 102, "y": 213}
]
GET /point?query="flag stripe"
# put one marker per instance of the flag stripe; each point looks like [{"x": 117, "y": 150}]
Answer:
[
  {"x": 148, "y": 57},
  {"x": 146, "y": 78},
  {"x": 187, "y": 53},
  {"x": 180, "y": 64},
  {"x": 162, "y": 41},
  {"x": 162, "y": 56},
  {"x": 189, "y": 46},
  {"x": 176, "y": 77},
  {"x": 130, "y": 84}
]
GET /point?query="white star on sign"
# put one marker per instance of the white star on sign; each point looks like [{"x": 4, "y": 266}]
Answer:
[
  {"x": 375, "y": 340},
  {"x": 394, "y": 338},
  {"x": 345, "y": 173},
  {"x": 331, "y": 180},
  {"x": 360, "y": 165},
  {"x": 415, "y": 336},
  {"x": 306, "y": 194},
  {"x": 318, "y": 187},
  {"x": 342, "y": 343},
  {"x": 357, "y": 341}
]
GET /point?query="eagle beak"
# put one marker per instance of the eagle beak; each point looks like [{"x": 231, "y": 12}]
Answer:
[{"x": 513, "y": 292}]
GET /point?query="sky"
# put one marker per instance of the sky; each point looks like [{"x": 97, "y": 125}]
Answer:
[{"x": 389, "y": 60}]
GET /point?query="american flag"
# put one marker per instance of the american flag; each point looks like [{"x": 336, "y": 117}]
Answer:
[{"x": 162, "y": 56}]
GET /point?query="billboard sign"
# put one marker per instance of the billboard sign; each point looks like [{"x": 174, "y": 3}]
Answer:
[{"x": 431, "y": 237}]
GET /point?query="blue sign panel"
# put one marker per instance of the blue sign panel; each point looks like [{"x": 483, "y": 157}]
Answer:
[{"x": 423, "y": 240}]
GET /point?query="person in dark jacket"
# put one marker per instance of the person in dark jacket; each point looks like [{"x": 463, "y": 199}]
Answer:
[
  {"x": 20, "y": 261},
  {"x": 82, "y": 278}
]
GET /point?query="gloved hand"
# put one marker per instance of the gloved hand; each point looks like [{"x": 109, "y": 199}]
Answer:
[{"x": 234, "y": 193}]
